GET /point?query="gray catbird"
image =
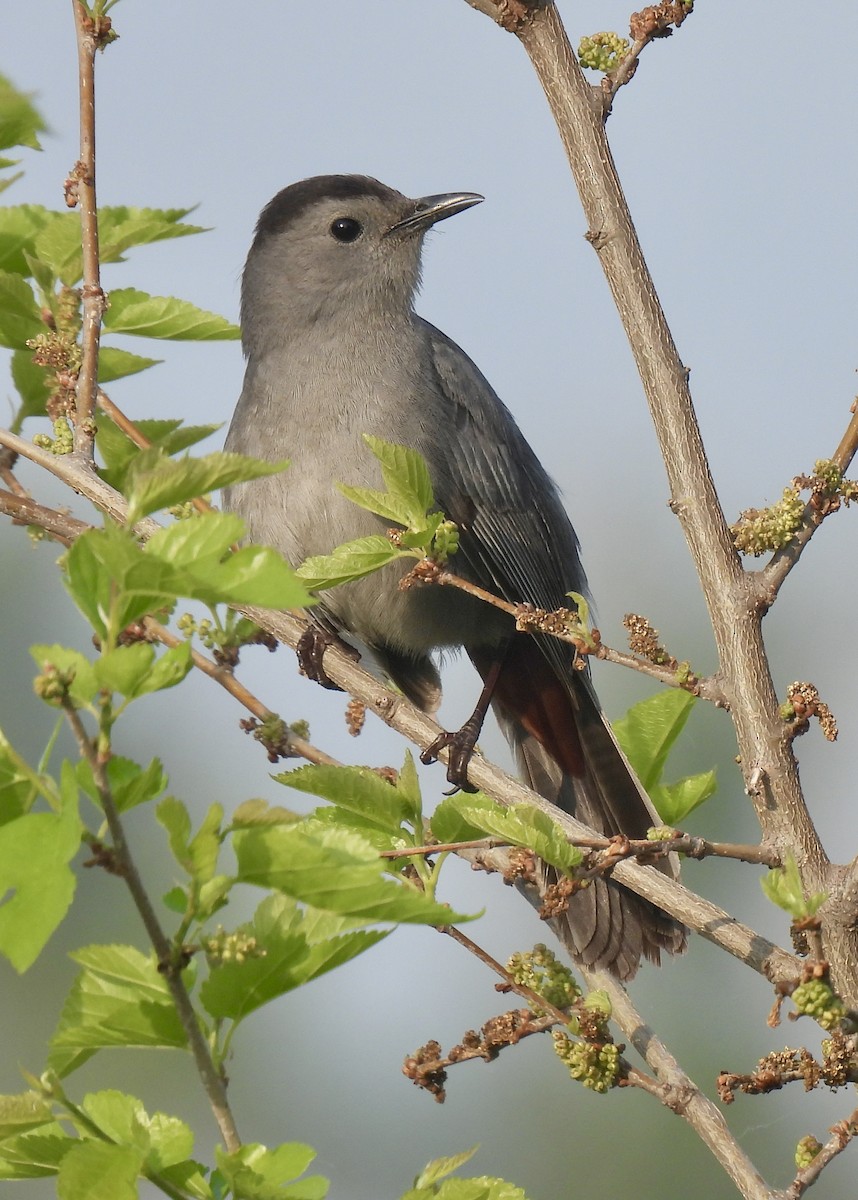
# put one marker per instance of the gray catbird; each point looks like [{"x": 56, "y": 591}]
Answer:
[{"x": 334, "y": 350}]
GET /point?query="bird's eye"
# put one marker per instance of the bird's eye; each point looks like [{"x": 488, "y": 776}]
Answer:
[{"x": 346, "y": 229}]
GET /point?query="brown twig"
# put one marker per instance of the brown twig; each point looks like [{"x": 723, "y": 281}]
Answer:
[
  {"x": 25, "y": 511},
  {"x": 297, "y": 746},
  {"x": 841, "y": 1135},
  {"x": 771, "y": 578},
  {"x": 212, "y": 1079},
  {"x": 707, "y": 689},
  {"x": 91, "y": 35}
]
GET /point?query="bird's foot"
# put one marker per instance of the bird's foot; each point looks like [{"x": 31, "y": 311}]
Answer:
[
  {"x": 311, "y": 648},
  {"x": 461, "y": 744}
]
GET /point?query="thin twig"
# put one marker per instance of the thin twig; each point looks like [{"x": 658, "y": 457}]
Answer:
[
  {"x": 212, "y": 1079},
  {"x": 841, "y": 1135},
  {"x": 89, "y": 38},
  {"x": 772, "y": 577},
  {"x": 707, "y": 689},
  {"x": 25, "y": 511},
  {"x": 297, "y": 746},
  {"x": 619, "y": 847}
]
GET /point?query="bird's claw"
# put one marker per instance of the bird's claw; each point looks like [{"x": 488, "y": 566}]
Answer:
[
  {"x": 311, "y": 648},
  {"x": 461, "y": 745}
]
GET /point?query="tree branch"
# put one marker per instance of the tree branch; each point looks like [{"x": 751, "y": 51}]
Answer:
[
  {"x": 684, "y": 1096},
  {"x": 212, "y": 1079},
  {"x": 91, "y": 34},
  {"x": 766, "y": 756}
]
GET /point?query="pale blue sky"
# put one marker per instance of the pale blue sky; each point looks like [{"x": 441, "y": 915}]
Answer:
[{"x": 736, "y": 145}]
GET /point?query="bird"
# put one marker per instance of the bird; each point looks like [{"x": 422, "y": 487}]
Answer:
[{"x": 335, "y": 350}]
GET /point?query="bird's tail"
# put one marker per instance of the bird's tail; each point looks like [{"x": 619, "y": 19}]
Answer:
[{"x": 567, "y": 753}]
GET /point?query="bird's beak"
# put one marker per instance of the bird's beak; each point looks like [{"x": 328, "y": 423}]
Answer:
[{"x": 430, "y": 209}]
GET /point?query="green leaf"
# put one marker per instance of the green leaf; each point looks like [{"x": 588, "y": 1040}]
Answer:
[
  {"x": 291, "y": 948},
  {"x": 158, "y": 482},
  {"x": 23, "y": 1112},
  {"x": 333, "y": 869},
  {"x": 204, "y": 570},
  {"x": 674, "y": 801},
  {"x": 355, "y": 789},
  {"x": 111, "y": 583},
  {"x": 114, "y": 363},
  {"x": 33, "y": 384},
  {"x": 650, "y": 729},
  {"x": 35, "y": 1155},
  {"x": 20, "y": 784},
  {"x": 35, "y": 851},
  {"x": 118, "y": 451},
  {"x": 121, "y": 227},
  {"x": 406, "y": 477},
  {"x": 350, "y": 561},
  {"x": 118, "y": 999},
  {"x": 124, "y": 669},
  {"x": 19, "y": 313},
  {"x": 135, "y": 312},
  {"x": 130, "y": 784},
  {"x": 464, "y": 817},
  {"x": 20, "y": 120},
  {"x": 99, "y": 1171},
  {"x": 19, "y": 225},
  {"x": 440, "y": 1168},
  {"x": 256, "y": 1173},
  {"x": 162, "y": 1139},
  {"x": 783, "y": 887}
]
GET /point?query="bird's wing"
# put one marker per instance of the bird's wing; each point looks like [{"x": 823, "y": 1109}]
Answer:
[{"x": 516, "y": 538}]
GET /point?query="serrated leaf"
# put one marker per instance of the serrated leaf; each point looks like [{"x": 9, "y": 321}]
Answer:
[
  {"x": 333, "y": 869},
  {"x": 355, "y": 789},
  {"x": 124, "y": 669},
  {"x": 20, "y": 784},
  {"x": 650, "y": 729},
  {"x": 118, "y": 999},
  {"x": 291, "y": 949},
  {"x": 260, "y": 812},
  {"x": 20, "y": 120},
  {"x": 108, "y": 580},
  {"x": 158, "y": 482},
  {"x": 783, "y": 887},
  {"x": 256, "y": 1173},
  {"x": 118, "y": 451},
  {"x": 35, "y": 851},
  {"x": 440, "y": 1168},
  {"x": 130, "y": 784},
  {"x": 95, "y": 1170},
  {"x": 19, "y": 313},
  {"x": 35, "y": 1155},
  {"x": 23, "y": 1112},
  {"x": 135, "y": 312},
  {"x": 674, "y": 801},
  {"x": 464, "y": 817},
  {"x": 406, "y": 477},
  {"x": 353, "y": 560},
  {"x": 114, "y": 363},
  {"x": 383, "y": 504},
  {"x": 19, "y": 225}
]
